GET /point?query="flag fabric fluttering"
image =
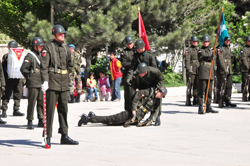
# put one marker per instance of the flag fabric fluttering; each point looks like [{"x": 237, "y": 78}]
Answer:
[
  {"x": 223, "y": 33},
  {"x": 142, "y": 33}
]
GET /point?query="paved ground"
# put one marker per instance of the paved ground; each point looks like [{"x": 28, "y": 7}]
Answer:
[{"x": 184, "y": 138}]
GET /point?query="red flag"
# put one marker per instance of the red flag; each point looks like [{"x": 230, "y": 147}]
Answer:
[{"x": 142, "y": 33}]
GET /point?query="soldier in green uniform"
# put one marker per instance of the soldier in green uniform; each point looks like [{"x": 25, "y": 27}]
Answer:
[
  {"x": 245, "y": 63},
  {"x": 31, "y": 70},
  {"x": 57, "y": 66},
  {"x": 12, "y": 85},
  {"x": 224, "y": 70},
  {"x": 126, "y": 59},
  {"x": 205, "y": 56},
  {"x": 75, "y": 76},
  {"x": 192, "y": 64},
  {"x": 2, "y": 88},
  {"x": 143, "y": 101}
]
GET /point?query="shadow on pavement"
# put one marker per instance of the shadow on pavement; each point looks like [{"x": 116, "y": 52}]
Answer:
[
  {"x": 178, "y": 112},
  {"x": 12, "y": 143},
  {"x": 182, "y": 105},
  {"x": 13, "y": 126}
]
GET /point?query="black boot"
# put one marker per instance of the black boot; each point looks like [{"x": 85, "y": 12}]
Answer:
[
  {"x": 17, "y": 113},
  {"x": 78, "y": 98},
  {"x": 40, "y": 123},
  {"x": 30, "y": 125},
  {"x": 71, "y": 99},
  {"x": 91, "y": 114},
  {"x": 66, "y": 140},
  {"x": 84, "y": 120},
  {"x": 200, "y": 110},
  {"x": 195, "y": 101},
  {"x": 229, "y": 104},
  {"x": 2, "y": 122},
  {"x": 4, "y": 115},
  {"x": 210, "y": 109},
  {"x": 48, "y": 141},
  {"x": 157, "y": 121}
]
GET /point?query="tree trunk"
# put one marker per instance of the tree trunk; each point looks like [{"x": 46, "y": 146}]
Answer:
[
  {"x": 183, "y": 63},
  {"x": 88, "y": 61}
]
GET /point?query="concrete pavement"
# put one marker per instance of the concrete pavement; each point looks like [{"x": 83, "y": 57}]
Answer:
[{"x": 184, "y": 138}]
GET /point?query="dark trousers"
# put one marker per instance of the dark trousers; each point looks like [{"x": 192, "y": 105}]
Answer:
[
  {"x": 15, "y": 86},
  {"x": 202, "y": 90},
  {"x": 62, "y": 108},
  {"x": 194, "y": 84},
  {"x": 127, "y": 97},
  {"x": 83, "y": 82},
  {"x": 35, "y": 96},
  {"x": 228, "y": 89},
  {"x": 244, "y": 79}
]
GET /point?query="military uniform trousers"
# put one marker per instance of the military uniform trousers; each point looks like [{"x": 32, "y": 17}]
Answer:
[
  {"x": 77, "y": 80},
  {"x": 194, "y": 84},
  {"x": 35, "y": 95},
  {"x": 228, "y": 89},
  {"x": 127, "y": 95},
  {"x": 244, "y": 79},
  {"x": 15, "y": 86},
  {"x": 202, "y": 90},
  {"x": 62, "y": 108}
]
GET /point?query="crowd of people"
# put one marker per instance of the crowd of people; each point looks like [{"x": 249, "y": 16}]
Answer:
[{"x": 53, "y": 73}]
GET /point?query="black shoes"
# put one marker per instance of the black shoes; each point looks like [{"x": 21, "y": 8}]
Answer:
[
  {"x": 48, "y": 141},
  {"x": 157, "y": 121},
  {"x": 4, "y": 115},
  {"x": 30, "y": 125},
  {"x": 71, "y": 99},
  {"x": 2, "y": 122},
  {"x": 78, "y": 98},
  {"x": 229, "y": 104},
  {"x": 84, "y": 120},
  {"x": 200, "y": 110},
  {"x": 91, "y": 114},
  {"x": 66, "y": 140},
  {"x": 40, "y": 123},
  {"x": 17, "y": 113},
  {"x": 195, "y": 101},
  {"x": 209, "y": 109}
]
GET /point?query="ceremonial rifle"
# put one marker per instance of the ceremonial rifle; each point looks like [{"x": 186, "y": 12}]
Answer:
[{"x": 223, "y": 88}]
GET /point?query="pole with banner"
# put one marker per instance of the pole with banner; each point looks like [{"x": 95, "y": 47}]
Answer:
[
  {"x": 212, "y": 61},
  {"x": 142, "y": 31}
]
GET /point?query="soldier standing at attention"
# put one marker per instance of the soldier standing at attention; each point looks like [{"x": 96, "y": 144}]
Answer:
[
  {"x": 58, "y": 65},
  {"x": 75, "y": 76},
  {"x": 126, "y": 59},
  {"x": 205, "y": 57},
  {"x": 192, "y": 64},
  {"x": 245, "y": 63},
  {"x": 12, "y": 85},
  {"x": 224, "y": 70},
  {"x": 31, "y": 70},
  {"x": 2, "y": 88}
]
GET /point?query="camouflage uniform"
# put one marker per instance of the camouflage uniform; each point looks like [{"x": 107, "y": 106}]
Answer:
[{"x": 76, "y": 74}]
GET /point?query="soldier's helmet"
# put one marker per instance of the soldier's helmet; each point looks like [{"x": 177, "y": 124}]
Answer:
[
  {"x": 58, "y": 29},
  {"x": 227, "y": 38},
  {"x": 72, "y": 45},
  {"x": 12, "y": 44},
  {"x": 142, "y": 68},
  {"x": 194, "y": 38},
  {"x": 37, "y": 41},
  {"x": 129, "y": 39},
  {"x": 139, "y": 44},
  {"x": 163, "y": 90},
  {"x": 205, "y": 38},
  {"x": 247, "y": 38}
]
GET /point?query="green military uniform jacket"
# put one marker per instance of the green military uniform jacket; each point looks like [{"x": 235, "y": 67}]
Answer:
[
  {"x": 205, "y": 55},
  {"x": 58, "y": 80},
  {"x": 138, "y": 58},
  {"x": 191, "y": 60},
  {"x": 245, "y": 59},
  {"x": 153, "y": 78},
  {"x": 76, "y": 59},
  {"x": 145, "y": 100},
  {"x": 2, "y": 78},
  {"x": 31, "y": 70},
  {"x": 126, "y": 59},
  {"x": 4, "y": 65},
  {"x": 224, "y": 65}
]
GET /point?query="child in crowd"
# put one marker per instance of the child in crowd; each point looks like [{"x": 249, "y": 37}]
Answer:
[
  {"x": 116, "y": 76},
  {"x": 91, "y": 86},
  {"x": 104, "y": 86}
]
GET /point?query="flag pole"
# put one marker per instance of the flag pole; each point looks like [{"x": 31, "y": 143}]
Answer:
[
  {"x": 212, "y": 62},
  {"x": 139, "y": 29}
]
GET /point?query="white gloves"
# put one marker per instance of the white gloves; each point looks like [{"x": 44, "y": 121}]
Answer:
[{"x": 45, "y": 86}]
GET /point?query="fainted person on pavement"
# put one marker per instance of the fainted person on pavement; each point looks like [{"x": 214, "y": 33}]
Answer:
[{"x": 144, "y": 101}]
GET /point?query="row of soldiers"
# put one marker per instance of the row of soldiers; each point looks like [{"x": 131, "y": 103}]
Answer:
[{"x": 198, "y": 64}]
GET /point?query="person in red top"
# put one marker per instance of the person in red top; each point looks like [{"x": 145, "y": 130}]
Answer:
[{"x": 116, "y": 76}]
